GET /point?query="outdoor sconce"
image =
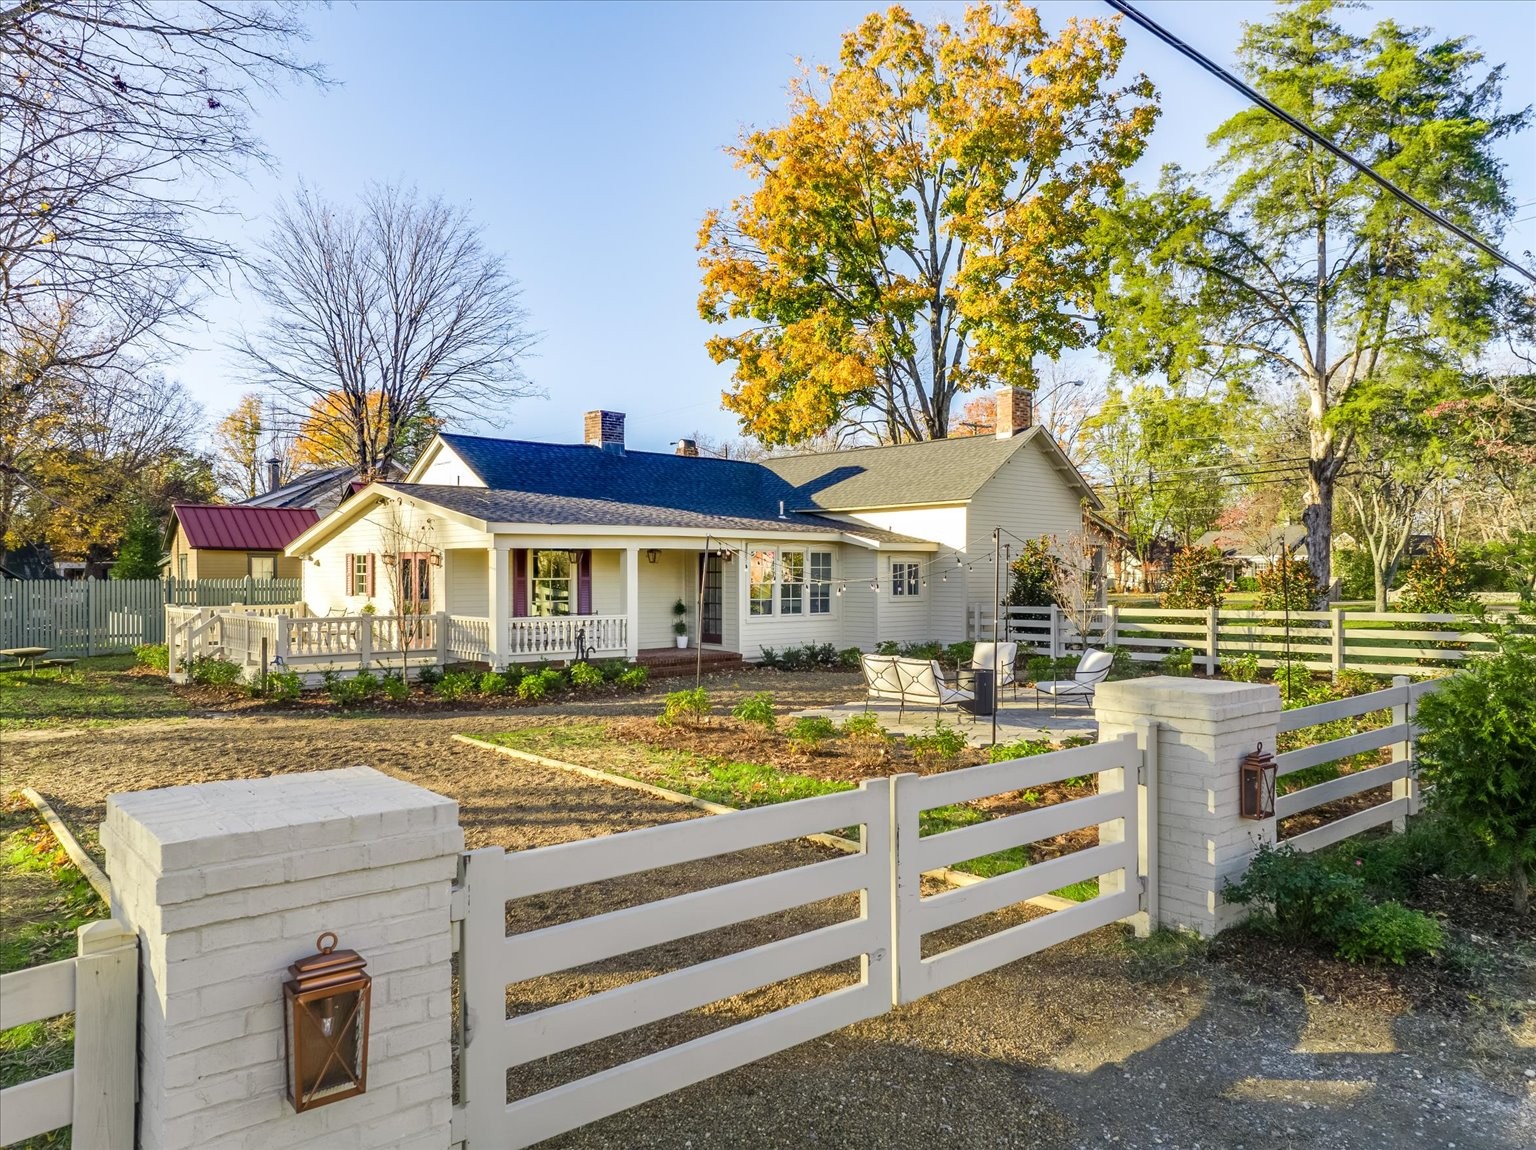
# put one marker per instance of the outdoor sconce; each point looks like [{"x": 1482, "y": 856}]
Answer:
[
  {"x": 1257, "y": 785},
  {"x": 651, "y": 555},
  {"x": 435, "y": 558},
  {"x": 326, "y": 1030}
]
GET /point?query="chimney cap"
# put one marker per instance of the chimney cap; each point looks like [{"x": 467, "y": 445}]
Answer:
[{"x": 687, "y": 447}]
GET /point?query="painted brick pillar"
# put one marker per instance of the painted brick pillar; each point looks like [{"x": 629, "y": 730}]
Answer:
[
  {"x": 1203, "y": 729},
  {"x": 228, "y": 883}
]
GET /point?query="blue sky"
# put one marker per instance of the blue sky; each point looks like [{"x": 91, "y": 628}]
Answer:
[{"x": 587, "y": 139}]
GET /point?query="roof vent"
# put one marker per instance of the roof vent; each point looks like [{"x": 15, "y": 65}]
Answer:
[{"x": 605, "y": 429}]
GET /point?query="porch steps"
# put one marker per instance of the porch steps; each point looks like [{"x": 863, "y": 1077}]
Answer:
[{"x": 668, "y": 662}]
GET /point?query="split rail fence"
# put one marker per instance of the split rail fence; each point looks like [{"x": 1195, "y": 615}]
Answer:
[{"x": 1383, "y": 643}]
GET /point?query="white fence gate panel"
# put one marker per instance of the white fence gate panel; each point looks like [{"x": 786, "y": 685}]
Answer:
[{"x": 493, "y": 960}]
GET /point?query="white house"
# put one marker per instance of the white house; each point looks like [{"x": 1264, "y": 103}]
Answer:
[{"x": 590, "y": 544}]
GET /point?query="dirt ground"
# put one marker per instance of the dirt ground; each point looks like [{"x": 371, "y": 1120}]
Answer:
[{"x": 1092, "y": 1043}]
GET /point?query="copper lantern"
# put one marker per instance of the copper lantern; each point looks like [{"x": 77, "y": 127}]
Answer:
[
  {"x": 326, "y": 1029},
  {"x": 1257, "y": 784}
]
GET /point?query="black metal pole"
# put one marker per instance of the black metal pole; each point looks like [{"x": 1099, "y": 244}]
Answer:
[
  {"x": 997, "y": 612},
  {"x": 698, "y": 613}
]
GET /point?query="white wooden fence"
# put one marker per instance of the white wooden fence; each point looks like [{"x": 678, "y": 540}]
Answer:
[
  {"x": 1384, "y": 643},
  {"x": 1401, "y": 699},
  {"x": 559, "y": 635},
  {"x": 95, "y": 1097}
]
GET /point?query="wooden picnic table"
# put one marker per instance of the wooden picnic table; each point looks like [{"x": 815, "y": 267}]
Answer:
[{"x": 26, "y": 656}]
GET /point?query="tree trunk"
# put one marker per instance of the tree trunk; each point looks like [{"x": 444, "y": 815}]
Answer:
[
  {"x": 1379, "y": 573},
  {"x": 1520, "y": 880},
  {"x": 1317, "y": 518}
]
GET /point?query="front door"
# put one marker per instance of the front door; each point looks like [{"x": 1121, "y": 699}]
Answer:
[
  {"x": 415, "y": 584},
  {"x": 712, "y": 617}
]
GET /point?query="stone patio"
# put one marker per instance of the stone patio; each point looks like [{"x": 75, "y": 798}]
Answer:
[{"x": 1016, "y": 719}]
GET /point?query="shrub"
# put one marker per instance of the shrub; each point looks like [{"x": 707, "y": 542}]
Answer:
[
  {"x": 1242, "y": 668},
  {"x": 284, "y": 686},
  {"x": 455, "y": 685},
  {"x": 690, "y": 706},
  {"x": 1438, "y": 582},
  {"x": 757, "y": 709},
  {"x": 533, "y": 687},
  {"x": 1391, "y": 931},
  {"x": 1124, "y": 664},
  {"x": 943, "y": 744},
  {"x": 768, "y": 657},
  {"x": 958, "y": 654},
  {"x": 926, "y": 651},
  {"x": 429, "y": 676},
  {"x": 1178, "y": 662},
  {"x": 1032, "y": 576},
  {"x": 585, "y": 676},
  {"x": 156, "y": 656},
  {"x": 395, "y": 687},
  {"x": 809, "y": 731},
  {"x": 492, "y": 683},
  {"x": 793, "y": 659},
  {"x": 1357, "y": 577},
  {"x": 353, "y": 692},
  {"x": 1295, "y": 684},
  {"x": 1287, "y": 585},
  {"x": 850, "y": 657},
  {"x": 208, "y": 672},
  {"x": 1002, "y": 752},
  {"x": 1198, "y": 579},
  {"x": 887, "y": 647},
  {"x": 1245, "y": 583},
  {"x": 613, "y": 669},
  {"x": 1478, "y": 751},
  {"x": 634, "y": 678}
]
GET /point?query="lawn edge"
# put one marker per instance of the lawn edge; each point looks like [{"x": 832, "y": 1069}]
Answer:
[{"x": 82, "y": 861}]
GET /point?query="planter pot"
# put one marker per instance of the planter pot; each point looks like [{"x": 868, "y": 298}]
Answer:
[{"x": 682, "y": 641}]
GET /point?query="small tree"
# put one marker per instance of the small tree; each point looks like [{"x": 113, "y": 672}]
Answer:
[
  {"x": 1032, "y": 576},
  {"x": 140, "y": 553},
  {"x": 1075, "y": 581},
  {"x": 1287, "y": 585},
  {"x": 1198, "y": 579},
  {"x": 1438, "y": 581},
  {"x": 1478, "y": 750}
]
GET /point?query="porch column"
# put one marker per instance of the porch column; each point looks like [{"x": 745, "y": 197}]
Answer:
[
  {"x": 632, "y": 603},
  {"x": 500, "y": 564}
]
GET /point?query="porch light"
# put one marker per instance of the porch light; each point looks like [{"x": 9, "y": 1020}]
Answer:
[
  {"x": 326, "y": 1026},
  {"x": 651, "y": 555},
  {"x": 1256, "y": 790}
]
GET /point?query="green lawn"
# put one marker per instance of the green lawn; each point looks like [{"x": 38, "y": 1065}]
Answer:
[
  {"x": 42, "y": 901},
  {"x": 94, "y": 692}
]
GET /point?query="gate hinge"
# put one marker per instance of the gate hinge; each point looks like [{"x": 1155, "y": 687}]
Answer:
[{"x": 458, "y": 903}]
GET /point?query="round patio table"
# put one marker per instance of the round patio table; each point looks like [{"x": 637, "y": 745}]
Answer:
[{"x": 26, "y": 655}]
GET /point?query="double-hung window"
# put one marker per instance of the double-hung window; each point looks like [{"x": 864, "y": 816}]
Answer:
[
  {"x": 551, "y": 580},
  {"x": 357, "y": 578},
  {"x": 792, "y": 582},
  {"x": 906, "y": 578},
  {"x": 821, "y": 582},
  {"x": 760, "y": 583},
  {"x": 262, "y": 566}
]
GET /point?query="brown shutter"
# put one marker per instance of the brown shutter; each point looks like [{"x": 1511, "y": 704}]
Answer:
[
  {"x": 519, "y": 582},
  {"x": 370, "y": 574},
  {"x": 584, "y": 582},
  {"x": 347, "y": 579}
]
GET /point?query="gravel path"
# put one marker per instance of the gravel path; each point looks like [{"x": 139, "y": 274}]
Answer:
[{"x": 1067, "y": 1049}]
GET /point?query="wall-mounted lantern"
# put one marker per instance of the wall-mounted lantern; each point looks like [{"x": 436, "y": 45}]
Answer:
[
  {"x": 651, "y": 555},
  {"x": 1256, "y": 790},
  {"x": 326, "y": 1031}
]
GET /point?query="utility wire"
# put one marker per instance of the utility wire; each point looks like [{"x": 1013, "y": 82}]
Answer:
[{"x": 1315, "y": 136}]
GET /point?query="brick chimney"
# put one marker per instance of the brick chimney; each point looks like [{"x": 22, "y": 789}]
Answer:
[
  {"x": 274, "y": 474},
  {"x": 687, "y": 447},
  {"x": 1015, "y": 411},
  {"x": 605, "y": 429}
]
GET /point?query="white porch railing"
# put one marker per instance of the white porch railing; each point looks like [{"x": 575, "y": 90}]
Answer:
[
  {"x": 469, "y": 638},
  {"x": 559, "y": 635}
]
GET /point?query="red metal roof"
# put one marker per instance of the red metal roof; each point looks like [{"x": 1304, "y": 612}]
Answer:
[{"x": 243, "y": 528}]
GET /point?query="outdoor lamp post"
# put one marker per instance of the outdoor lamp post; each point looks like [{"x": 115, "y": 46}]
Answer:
[
  {"x": 1256, "y": 790},
  {"x": 326, "y": 1031}
]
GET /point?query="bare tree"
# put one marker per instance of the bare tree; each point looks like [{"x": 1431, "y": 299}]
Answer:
[
  {"x": 116, "y": 118},
  {"x": 1076, "y": 579},
  {"x": 382, "y": 312}
]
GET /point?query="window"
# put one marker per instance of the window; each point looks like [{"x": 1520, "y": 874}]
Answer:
[
  {"x": 906, "y": 578},
  {"x": 181, "y": 566},
  {"x": 760, "y": 583},
  {"x": 792, "y": 582},
  {"x": 263, "y": 566},
  {"x": 821, "y": 582},
  {"x": 357, "y": 577},
  {"x": 552, "y": 578}
]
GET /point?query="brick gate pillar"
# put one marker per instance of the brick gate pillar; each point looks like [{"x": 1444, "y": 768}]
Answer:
[
  {"x": 227, "y": 883},
  {"x": 1203, "y": 729}
]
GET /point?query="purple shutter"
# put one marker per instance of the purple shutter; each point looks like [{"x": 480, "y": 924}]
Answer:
[
  {"x": 519, "y": 582},
  {"x": 583, "y": 582}
]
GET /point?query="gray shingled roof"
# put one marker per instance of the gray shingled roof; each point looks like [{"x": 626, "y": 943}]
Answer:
[
  {"x": 937, "y": 471},
  {"x": 502, "y": 506}
]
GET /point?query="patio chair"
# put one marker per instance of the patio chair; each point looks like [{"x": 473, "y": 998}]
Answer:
[
  {"x": 983, "y": 659},
  {"x": 1092, "y": 669},
  {"x": 915, "y": 682}
]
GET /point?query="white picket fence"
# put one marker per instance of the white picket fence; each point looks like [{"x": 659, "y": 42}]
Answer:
[
  {"x": 560, "y": 635},
  {"x": 1384, "y": 643},
  {"x": 885, "y": 936},
  {"x": 95, "y": 1097},
  {"x": 1401, "y": 699}
]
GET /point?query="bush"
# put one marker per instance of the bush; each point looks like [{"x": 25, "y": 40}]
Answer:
[
  {"x": 1198, "y": 579},
  {"x": 492, "y": 683},
  {"x": 1438, "y": 582},
  {"x": 429, "y": 676},
  {"x": 1246, "y": 583},
  {"x": 1287, "y": 585},
  {"x": 850, "y": 658},
  {"x": 942, "y": 745},
  {"x": 690, "y": 706},
  {"x": 1179, "y": 662},
  {"x": 585, "y": 676},
  {"x": 1242, "y": 668},
  {"x": 1032, "y": 576},
  {"x": 455, "y": 685},
  {"x": 395, "y": 687},
  {"x": 612, "y": 669},
  {"x": 1023, "y": 749},
  {"x": 284, "y": 686},
  {"x": 1391, "y": 931},
  {"x": 958, "y": 654},
  {"x": 533, "y": 687},
  {"x": 207, "y": 672},
  {"x": 1124, "y": 663},
  {"x": 156, "y": 656},
  {"x": 809, "y": 731},
  {"x": 887, "y": 647},
  {"x": 757, "y": 709},
  {"x": 353, "y": 692},
  {"x": 634, "y": 678},
  {"x": 1478, "y": 751},
  {"x": 1295, "y": 684},
  {"x": 1357, "y": 577}
]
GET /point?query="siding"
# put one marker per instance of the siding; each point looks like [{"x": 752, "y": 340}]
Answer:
[
  {"x": 448, "y": 470},
  {"x": 901, "y": 618},
  {"x": 662, "y": 584},
  {"x": 466, "y": 582},
  {"x": 946, "y": 525},
  {"x": 857, "y": 607}
]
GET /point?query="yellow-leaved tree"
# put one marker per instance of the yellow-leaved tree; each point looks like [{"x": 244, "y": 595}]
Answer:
[{"x": 917, "y": 228}]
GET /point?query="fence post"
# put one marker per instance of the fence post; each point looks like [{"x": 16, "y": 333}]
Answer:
[
  {"x": 1212, "y": 630},
  {"x": 1055, "y": 631},
  {"x": 281, "y": 654},
  {"x": 365, "y": 640},
  {"x": 106, "y": 1035},
  {"x": 1337, "y": 623},
  {"x": 1403, "y": 752},
  {"x": 1111, "y": 625},
  {"x": 90, "y": 619},
  {"x": 442, "y": 638}
]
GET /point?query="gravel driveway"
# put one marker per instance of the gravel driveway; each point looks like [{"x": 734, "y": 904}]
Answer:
[{"x": 1069, "y": 1048}]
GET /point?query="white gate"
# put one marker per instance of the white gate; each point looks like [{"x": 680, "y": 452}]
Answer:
[{"x": 886, "y": 936}]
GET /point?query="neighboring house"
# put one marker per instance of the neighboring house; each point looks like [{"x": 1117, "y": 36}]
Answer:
[
  {"x": 1251, "y": 551},
  {"x": 207, "y": 541},
  {"x": 324, "y": 489},
  {"x": 849, "y": 547}
]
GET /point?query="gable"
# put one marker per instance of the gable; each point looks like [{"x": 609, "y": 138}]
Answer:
[{"x": 238, "y": 528}]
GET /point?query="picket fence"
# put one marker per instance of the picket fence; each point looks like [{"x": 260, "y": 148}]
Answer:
[
  {"x": 1383, "y": 643},
  {"x": 84, "y": 617},
  {"x": 95, "y": 1097}
]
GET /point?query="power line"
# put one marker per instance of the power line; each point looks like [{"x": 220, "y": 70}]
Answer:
[{"x": 1315, "y": 136}]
